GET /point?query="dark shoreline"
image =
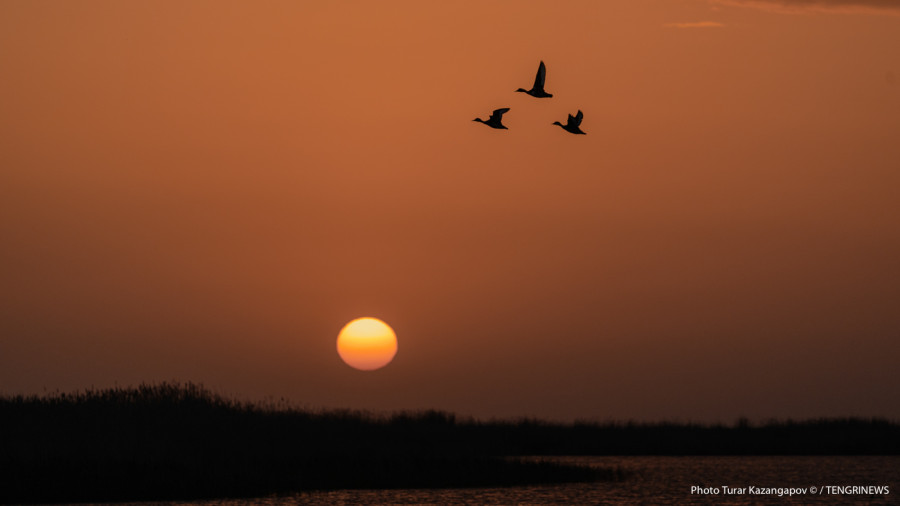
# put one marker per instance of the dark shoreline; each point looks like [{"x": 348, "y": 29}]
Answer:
[{"x": 173, "y": 441}]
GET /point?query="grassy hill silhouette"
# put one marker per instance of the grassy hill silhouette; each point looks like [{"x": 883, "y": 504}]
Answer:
[
  {"x": 174, "y": 441},
  {"x": 182, "y": 441}
]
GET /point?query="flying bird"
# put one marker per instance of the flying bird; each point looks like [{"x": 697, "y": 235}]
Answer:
[
  {"x": 538, "y": 89},
  {"x": 572, "y": 125},
  {"x": 495, "y": 120}
]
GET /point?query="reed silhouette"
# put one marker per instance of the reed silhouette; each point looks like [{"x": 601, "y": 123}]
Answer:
[{"x": 182, "y": 441}]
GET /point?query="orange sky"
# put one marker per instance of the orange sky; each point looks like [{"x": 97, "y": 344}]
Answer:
[{"x": 209, "y": 191}]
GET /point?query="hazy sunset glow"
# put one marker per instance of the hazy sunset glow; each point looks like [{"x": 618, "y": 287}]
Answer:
[{"x": 206, "y": 191}]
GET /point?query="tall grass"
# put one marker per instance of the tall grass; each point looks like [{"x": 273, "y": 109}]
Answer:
[{"x": 182, "y": 441}]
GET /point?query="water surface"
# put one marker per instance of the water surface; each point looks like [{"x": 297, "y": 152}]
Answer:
[{"x": 658, "y": 480}]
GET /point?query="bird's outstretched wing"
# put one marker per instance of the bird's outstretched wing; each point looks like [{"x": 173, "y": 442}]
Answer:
[
  {"x": 577, "y": 119},
  {"x": 539, "y": 78},
  {"x": 498, "y": 113}
]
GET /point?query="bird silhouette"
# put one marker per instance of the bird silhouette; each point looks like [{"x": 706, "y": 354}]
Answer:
[
  {"x": 495, "y": 120},
  {"x": 538, "y": 89},
  {"x": 572, "y": 125}
]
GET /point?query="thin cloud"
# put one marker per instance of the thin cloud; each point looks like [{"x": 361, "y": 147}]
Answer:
[
  {"x": 698, "y": 24},
  {"x": 801, "y": 6}
]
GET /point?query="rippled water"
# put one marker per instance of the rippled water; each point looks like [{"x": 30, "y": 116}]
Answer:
[{"x": 659, "y": 480}]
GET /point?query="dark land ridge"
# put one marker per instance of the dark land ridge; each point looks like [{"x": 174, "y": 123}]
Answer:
[{"x": 181, "y": 441}]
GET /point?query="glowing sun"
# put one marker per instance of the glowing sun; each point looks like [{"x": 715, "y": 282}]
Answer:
[{"x": 367, "y": 344}]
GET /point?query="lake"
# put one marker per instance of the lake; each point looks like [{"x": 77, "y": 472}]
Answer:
[{"x": 661, "y": 480}]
